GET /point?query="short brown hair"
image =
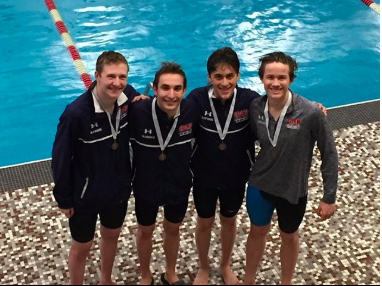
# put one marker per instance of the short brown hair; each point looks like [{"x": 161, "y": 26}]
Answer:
[
  {"x": 170, "y": 67},
  {"x": 110, "y": 57},
  {"x": 278, "y": 57}
]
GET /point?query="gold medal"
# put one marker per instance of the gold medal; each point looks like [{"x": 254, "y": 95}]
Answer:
[
  {"x": 162, "y": 157},
  {"x": 114, "y": 146},
  {"x": 222, "y": 146}
]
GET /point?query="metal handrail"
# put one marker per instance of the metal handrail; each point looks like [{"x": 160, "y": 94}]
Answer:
[{"x": 148, "y": 87}]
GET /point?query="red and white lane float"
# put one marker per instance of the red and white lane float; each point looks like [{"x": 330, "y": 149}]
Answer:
[
  {"x": 372, "y": 5},
  {"x": 61, "y": 28}
]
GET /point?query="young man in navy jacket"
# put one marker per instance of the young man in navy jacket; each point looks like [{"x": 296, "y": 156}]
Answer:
[
  {"x": 91, "y": 164},
  {"x": 222, "y": 159},
  {"x": 161, "y": 132}
]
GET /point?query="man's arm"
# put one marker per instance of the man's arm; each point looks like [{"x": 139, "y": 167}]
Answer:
[
  {"x": 62, "y": 155},
  {"x": 134, "y": 95},
  {"x": 329, "y": 166}
]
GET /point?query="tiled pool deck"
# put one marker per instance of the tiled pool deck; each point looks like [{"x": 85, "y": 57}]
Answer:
[{"x": 34, "y": 238}]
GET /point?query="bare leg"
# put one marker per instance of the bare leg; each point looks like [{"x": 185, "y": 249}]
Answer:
[
  {"x": 228, "y": 235},
  {"x": 144, "y": 249},
  {"x": 77, "y": 260},
  {"x": 108, "y": 248},
  {"x": 171, "y": 249},
  {"x": 255, "y": 249},
  {"x": 203, "y": 240},
  {"x": 290, "y": 248}
]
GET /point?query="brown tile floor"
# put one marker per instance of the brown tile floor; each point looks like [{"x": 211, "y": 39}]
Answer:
[{"x": 34, "y": 240}]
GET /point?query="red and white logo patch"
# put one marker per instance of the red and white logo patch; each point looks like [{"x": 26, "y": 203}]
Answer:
[
  {"x": 124, "y": 111},
  {"x": 185, "y": 129},
  {"x": 240, "y": 116},
  {"x": 293, "y": 123}
]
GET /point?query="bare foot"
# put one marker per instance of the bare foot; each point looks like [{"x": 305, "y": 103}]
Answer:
[
  {"x": 107, "y": 283},
  {"x": 202, "y": 277},
  {"x": 248, "y": 283},
  {"x": 228, "y": 277},
  {"x": 171, "y": 278},
  {"x": 146, "y": 281}
]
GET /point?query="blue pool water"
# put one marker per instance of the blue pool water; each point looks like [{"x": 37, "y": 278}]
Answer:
[{"x": 337, "y": 44}]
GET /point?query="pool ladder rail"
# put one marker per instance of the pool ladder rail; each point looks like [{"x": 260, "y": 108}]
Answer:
[{"x": 148, "y": 87}]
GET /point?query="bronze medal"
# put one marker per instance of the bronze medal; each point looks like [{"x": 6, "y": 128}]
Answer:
[
  {"x": 114, "y": 146},
  {"x": 162, "y": 157},
  {"x": 274, "y": 153},
  {"x": 222, "y": 146}
]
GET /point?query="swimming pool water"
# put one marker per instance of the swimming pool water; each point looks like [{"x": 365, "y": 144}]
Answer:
[{"x": 336, "y": 43}]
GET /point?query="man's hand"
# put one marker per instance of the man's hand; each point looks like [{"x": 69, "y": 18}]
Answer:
[
  {"x": 140, "y": 97},
  {"x": 325, "y": 211},
  {"x": 68, "y": 212},
  {"x": 321, "y": 107}
]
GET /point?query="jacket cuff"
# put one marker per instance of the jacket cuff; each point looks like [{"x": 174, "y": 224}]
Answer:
[{"x": 329, "y": 199}]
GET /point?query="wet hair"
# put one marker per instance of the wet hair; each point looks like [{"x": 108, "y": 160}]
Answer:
[
  {"x": 169, "y": 67},
  {"x": 278, "y": 57},
  {"x": 223, "y": 56},
  {"x": 110, "y": 57}
]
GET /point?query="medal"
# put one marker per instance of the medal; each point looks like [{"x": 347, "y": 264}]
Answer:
[
  {"x": 163, "y": 145},
  {"x": 222, "y": 133},
  {"x": 114, "y": 131},
  {"x": 222, "y": 146},
  {"x": 114, "y": 146},
  {"x": 279, "y": 123}
]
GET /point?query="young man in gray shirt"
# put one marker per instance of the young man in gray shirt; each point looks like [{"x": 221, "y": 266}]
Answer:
[{"x": 287, "y": 127}]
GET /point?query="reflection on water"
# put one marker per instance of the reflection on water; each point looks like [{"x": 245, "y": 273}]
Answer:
[{"x": 335, "y": 42}]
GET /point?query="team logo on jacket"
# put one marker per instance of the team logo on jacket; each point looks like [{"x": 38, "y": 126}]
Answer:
[
  {"x": 207, "y": 116},
  {"x": 185, "y": 129},
  {"x": 240, "y": 116},
  {"x": 94, "y": 128},
  {"x": 147, "y": 134},
  {"x": 260, "y": 119},
  {"x": 124, "y": 111},
  {"x": 293, "y": 123}
]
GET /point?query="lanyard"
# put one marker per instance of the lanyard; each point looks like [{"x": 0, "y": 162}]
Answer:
[
  {"x": 114, "y": 132},
  {"x": 222, "y": 134},
  {"x": 279, "y": 123},
  {"x": 157, "y": 128}
]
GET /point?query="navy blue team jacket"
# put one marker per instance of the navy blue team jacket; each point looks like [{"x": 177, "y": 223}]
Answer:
[
  {"x": 162, "y": 182},
  {"x": 88, "y": 174},
  {"x": 230, "y": 168}
]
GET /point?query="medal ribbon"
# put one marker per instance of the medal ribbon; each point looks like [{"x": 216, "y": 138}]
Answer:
[
  {"x": 157, "y": 128},
  {"x": 114, "y": 132},
  {"x": 279, "y": 123},
  {"x": 222, "y": 134}
]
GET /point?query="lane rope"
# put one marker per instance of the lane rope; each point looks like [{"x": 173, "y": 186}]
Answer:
[
  {"x": 64, "y": 34},
  {"x": 371, "y": 4}
]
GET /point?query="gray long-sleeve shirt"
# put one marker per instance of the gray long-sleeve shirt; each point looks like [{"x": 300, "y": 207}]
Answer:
[{"x": 283, "y": 171}]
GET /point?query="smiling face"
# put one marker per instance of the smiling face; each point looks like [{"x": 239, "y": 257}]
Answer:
[
  {"x": 111, "y": 81},
  {"x": 276, "y": 80},
  {"x": 223, "y": 79},
  {"x": 169, "y": 92}
]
